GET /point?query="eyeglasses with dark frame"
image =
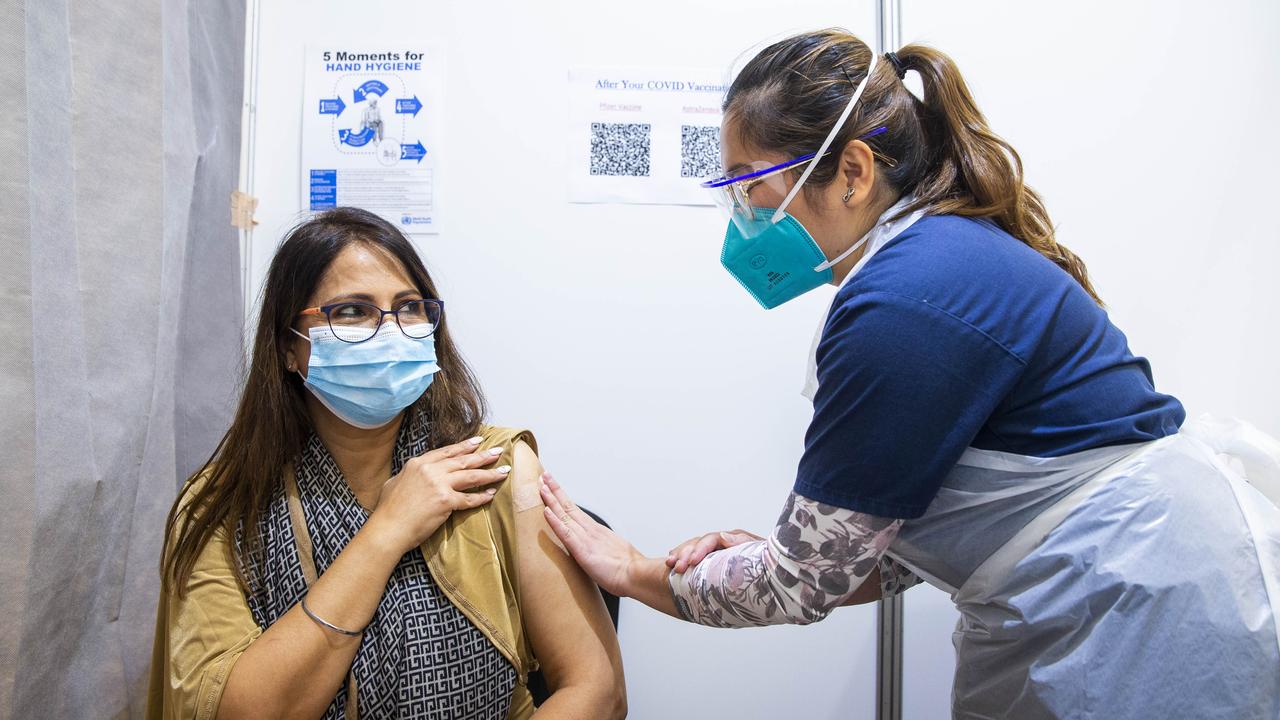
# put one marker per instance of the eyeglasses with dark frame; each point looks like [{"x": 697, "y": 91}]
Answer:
[{"x": 356, "y": 322}]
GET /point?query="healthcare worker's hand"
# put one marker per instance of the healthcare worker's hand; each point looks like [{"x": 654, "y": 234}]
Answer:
[
  {"x": 602, "y": 553},
  {"x": 612, "y": 562},
  {"x": 691, "y": 552}
]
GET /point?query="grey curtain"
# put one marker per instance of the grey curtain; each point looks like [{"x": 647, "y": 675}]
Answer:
[{"x": 120, "y": 325}]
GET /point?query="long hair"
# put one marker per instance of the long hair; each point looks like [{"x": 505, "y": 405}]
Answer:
[
  {"x": 271, "y": 421},
  {"x": 790, "y": 95}
]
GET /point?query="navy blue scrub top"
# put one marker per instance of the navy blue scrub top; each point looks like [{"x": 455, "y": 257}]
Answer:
[{"x": 957, "y": 335}]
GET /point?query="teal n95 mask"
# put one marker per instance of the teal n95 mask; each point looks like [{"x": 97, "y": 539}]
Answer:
[
  {"x": 767, "y": 250},
  {"x": 368, "y": 383}
]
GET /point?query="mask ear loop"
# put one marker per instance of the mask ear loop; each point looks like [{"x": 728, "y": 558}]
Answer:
[
  {"x": 295, "y": 370},
  {"x": 845, "y": 254},
  {"x": 831, "y": 136}
]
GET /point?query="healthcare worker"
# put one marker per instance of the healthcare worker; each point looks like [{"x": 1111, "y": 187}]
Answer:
[{"x": 979, "y": 423}]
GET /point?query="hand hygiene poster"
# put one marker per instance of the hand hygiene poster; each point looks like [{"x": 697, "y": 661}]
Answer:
[
  {"x": 370, "y": 129},
  {"x": 643, "y": 135}
]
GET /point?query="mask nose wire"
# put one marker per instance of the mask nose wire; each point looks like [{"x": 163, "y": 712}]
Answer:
[{"x": 385, "y": 319}]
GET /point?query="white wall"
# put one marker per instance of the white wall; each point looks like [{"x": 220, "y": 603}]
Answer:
[
  {"x": 663, "y": 397},
  {"x": 667, "y": 401},
  {"x": 1150, "y": 128}
]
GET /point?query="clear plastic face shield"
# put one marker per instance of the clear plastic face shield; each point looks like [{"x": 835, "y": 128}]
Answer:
[{"x": 732, "y": 192}]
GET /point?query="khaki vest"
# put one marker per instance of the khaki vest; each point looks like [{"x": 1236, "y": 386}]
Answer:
[{"x": 472, "y": 557}]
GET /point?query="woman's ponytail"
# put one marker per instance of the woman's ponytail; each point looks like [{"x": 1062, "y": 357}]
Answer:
[
  {"x": 940, "y": 149},
  {"x": 973, "y": 172}
]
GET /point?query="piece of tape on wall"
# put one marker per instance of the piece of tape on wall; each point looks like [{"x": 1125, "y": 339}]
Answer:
[{"x": 242, "y": 209}]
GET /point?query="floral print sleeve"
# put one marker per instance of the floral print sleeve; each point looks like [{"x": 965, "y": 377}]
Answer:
[
  {"x": 816, "y": 557},
  {"x": 895, "y": 577}
]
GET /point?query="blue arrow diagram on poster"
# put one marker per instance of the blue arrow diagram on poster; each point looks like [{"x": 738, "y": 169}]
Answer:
[
  {"x": 356, "y": 139},
  {"x": 332, "y": 106},
  {"x": 409, "y": 107},
  {"x": 413, "y": 152},
  {"x": 370, "y": 87},
  {"x": 370, "y": 131}
]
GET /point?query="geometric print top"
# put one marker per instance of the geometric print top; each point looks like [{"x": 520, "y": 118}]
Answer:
[{"x": 420, "y": 657}]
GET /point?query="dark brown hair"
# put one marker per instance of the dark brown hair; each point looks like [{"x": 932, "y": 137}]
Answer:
[
  {"x": 271, "y": 422},
  {"x": 790, "y": 95}
]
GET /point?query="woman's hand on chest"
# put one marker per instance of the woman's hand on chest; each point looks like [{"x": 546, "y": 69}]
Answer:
[{"x": 416, "y": 502}]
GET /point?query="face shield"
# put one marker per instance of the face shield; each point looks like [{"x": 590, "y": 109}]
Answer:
[{"x": 732, "y": 192}]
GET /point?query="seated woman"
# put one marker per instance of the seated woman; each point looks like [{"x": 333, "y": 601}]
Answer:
[{"x": 360, "y": 545}]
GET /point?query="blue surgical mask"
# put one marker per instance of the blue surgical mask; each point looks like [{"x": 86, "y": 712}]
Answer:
[{"x": 368, "y": 384}]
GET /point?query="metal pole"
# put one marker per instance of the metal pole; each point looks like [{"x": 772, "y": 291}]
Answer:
[
  {"x": 888, "y": 25},
  {"x": 889, "y": 613},
  {"x": 889, "y": 659},
  {"x": 248, "y": 155}
]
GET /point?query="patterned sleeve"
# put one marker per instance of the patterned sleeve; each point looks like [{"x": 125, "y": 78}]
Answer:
[
  {"x": 895, "y": 577},
  {"x": 816, "y": 557}
]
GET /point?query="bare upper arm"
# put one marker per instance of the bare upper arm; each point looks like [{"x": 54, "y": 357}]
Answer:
[{"x": 568, "y": 625}]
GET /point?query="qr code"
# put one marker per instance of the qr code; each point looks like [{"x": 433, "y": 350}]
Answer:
[
  {"x": 699, "y": 150},
  {"x": 620, "y": 149}
]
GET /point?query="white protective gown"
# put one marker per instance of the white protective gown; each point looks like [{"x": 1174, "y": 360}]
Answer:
[{"x": 1131, "y": 582}]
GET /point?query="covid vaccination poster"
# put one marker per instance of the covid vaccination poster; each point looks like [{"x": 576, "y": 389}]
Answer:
[
  {"x": 644, "y": 135},
  {"x": 370, "y": 130}
]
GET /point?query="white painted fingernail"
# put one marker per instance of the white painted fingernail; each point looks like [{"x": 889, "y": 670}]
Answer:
[
  {"x": 504, "y": 469},
  {"x": 491, "y": 491},
  {"x": 476, "y": 440},
  {"x": 495, "y": 451}
]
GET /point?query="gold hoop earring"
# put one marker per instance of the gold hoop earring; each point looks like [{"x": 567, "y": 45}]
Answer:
[{"x": 848, "y": 194}]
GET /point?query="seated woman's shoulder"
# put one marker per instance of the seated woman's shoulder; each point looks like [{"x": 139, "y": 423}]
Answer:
[
  {"x": 196, "y": 487},
  {"x": 499, "y": 435},
  {"x": 521, "y": 453}
]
